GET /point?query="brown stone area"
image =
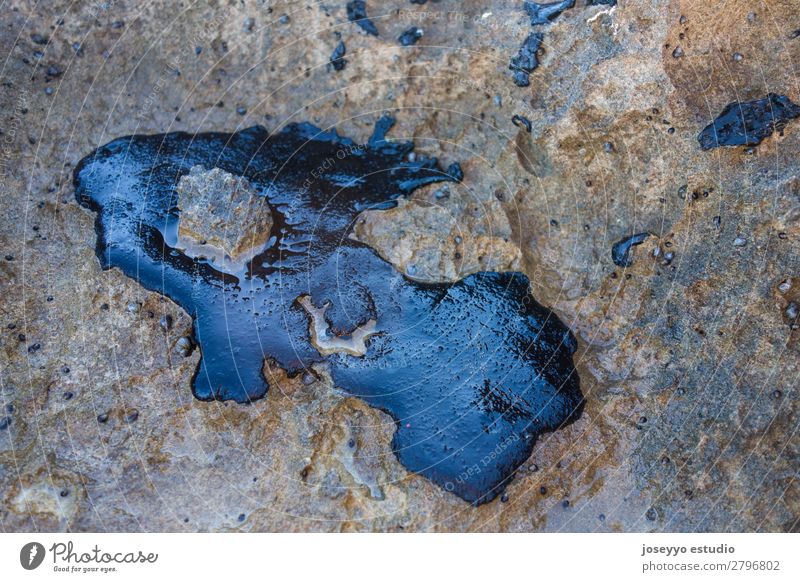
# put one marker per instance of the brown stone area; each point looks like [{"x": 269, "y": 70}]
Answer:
[
  {"x": 688, "y": 358},
  {"x": 222, "y": 218}
]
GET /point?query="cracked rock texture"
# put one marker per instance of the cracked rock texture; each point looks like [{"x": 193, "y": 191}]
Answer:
[
  {"x": 222, "y": 216},
  {"x": 688, "y": 358}
]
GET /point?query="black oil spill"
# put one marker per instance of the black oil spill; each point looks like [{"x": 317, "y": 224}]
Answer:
[
  {"x": 748, "y": 123},
  {"x": 471, "y": 372},
  {"x": 357, "y": 12},
  {"x": 527, "y": 59},
  {"x": 620, "y": 252},
  {"x": 545, "y": 13}
]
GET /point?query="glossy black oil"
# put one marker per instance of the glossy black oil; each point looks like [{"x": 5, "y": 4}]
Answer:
[
  {"x": 471, "y": 372},
  {"x": 357, "y": 12},
  {"x": 410, "y": 36},
  {"x": 546, "y": 12},
  {"x": 749, "y": 122},
  {"x": 338, "y": 62},
  {"x": 527, "y": 59},
  {"x": 620, "y": 251},
  {"x": 523, "y": 122}
]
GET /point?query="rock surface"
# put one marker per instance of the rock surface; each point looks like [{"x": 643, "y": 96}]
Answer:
[
  {"x": 688, "y": 358},
  {"x": 222, "y": 218},
  {"x": 328, "y": 343},
  {"x": 429, "y": 242}
]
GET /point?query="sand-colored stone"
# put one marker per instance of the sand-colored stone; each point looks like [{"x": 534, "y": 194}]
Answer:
[
  {"x": 328, "y": 343},
  {"x": 430, "y": 242},
  {"x": 222, "y": 218}
]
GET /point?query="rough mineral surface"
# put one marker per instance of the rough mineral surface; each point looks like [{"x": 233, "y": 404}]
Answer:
[
  {"x": 431, "y": 242},
  {"x": 688, "y": 358},
  {"x": 222, "y": 217},
  {"x": 327, "y": 343}
]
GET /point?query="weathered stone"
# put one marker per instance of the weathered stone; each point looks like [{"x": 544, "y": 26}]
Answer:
[
  {"x": 325, "y": 341},
  {"x": 432, "y": 243},
  {"x": 222, "y": 218}
]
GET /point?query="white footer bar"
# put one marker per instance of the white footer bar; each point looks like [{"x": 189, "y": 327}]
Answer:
[{"x": 402, "y": 557}]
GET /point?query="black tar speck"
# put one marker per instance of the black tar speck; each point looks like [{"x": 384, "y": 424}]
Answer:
[
  {"x": 526, "y": 60},
  {"x": 410, "y": 36},
  {"x": 357, "y": 12},
  {"x": 338, "y": 61},
  {"x": 545, "y": 13},
  {"x": 620, "y": 251},
  {"x": 749, "y": 122},
  {"x": 523, "y": 122}
]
